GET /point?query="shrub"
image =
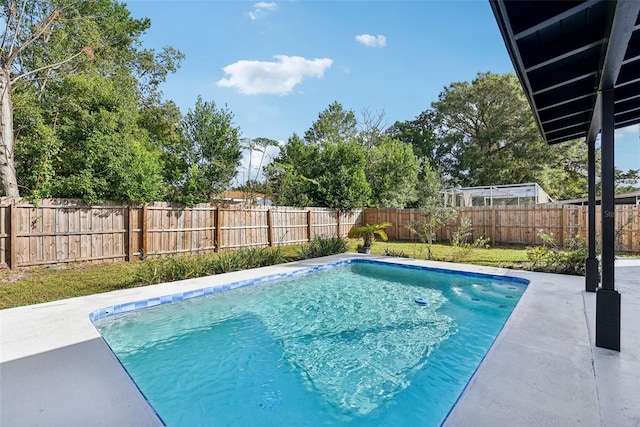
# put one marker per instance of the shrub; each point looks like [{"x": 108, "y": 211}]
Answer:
[
  {"x": 392, "y": 252},
  {"x": 186, "y": 267},
  {"x": 323, "y": 246},
  {"x": 368, "y": 233},
  {"x": 174, "y": 268},
  {"x": 244, "y": 259},
  {"x": 462, "y": 248},
  {"x": 549, "y": 257},
  {"x": 434, "y": 216}
]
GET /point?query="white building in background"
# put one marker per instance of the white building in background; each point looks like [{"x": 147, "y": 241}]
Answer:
[{"x": 496, "y": 195}]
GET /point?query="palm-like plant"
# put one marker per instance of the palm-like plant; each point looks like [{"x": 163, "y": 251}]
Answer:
[{"x": 368, "y": 233}]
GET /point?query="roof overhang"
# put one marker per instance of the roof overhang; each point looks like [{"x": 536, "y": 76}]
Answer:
[{"x": 567, "y": 53}]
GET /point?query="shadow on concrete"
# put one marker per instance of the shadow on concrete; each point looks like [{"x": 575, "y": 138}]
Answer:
[{"x": 77, "y": 385}]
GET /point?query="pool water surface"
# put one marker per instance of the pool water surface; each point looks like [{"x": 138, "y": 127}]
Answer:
[{"x": 347, "y": 345}]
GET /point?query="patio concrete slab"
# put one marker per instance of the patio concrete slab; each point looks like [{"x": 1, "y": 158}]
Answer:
[
  {"x": 539, "y": 371},
  {"x": 543, "y": 370},
  {"x": 618, "y": 373}
]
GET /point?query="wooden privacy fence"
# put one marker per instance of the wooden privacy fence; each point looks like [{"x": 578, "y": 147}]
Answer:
[
  {"x": 60, "y": 231},
  {"x": 519, "y": 224}
]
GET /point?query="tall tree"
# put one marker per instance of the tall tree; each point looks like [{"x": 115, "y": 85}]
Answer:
[
  {"x": 286, "y": 180},
  {"x": 96, "y": 150},
  {"x": 207, "y": 159},
  {"x": 392, "y": 173},
  {"x": 26, "y": 24},
  {"x": 326, "y": 169},
  {"x": 433, "y": 156},
  {"x": 46, "y": 41},
  {"x": 372, "y": 127},
  {"x": 334, "y": 124},
  {"x": 420, "y": 135},
  {"x": 627, "y": 182},
  {"x": 257, "y": 145},
  {"x": 488, "y": 129},
  {"x": 343, "y": 185}
]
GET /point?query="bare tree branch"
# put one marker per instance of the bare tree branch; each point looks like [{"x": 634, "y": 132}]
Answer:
[
  {"x": 86, "y": 50},
  {"x": 10, "y": 17},
  {"x": 41, "y": 27},
  {"x": 16, "y": 33}
]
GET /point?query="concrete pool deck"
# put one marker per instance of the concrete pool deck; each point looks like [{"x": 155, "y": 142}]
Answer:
[{"x": 543, "y": 370}]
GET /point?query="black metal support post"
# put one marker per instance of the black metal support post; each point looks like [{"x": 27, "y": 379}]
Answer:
[
  {"x": 607, "y": 298},
  {"x": 591, "y": 262}
]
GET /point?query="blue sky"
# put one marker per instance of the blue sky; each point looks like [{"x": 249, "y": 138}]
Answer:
[{"x": 277, "y": 65}]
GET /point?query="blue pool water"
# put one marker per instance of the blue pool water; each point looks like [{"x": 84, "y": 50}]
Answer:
[{"x": 348, "y": 345}]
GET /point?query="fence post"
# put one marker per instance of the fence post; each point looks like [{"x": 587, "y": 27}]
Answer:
[
  {"x": 493, "y": 219},
  {"x": 338, "y": 223},
  {"x": 13, "y": 239},
  {"x": 129, "y": 234},
  {"x": 309, "y": 225},
  {"x": 218, "y": 229},
  {"x": 270, "y": 227},
  {"x": 628, "y": 228},
  {"x": 563, "y": 225},
  {"x": 397, "y": 224},
  {"x": 145, "y": 250}
]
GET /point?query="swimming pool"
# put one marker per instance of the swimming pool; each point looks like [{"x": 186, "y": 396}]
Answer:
[{"x": 347, "y": 344}]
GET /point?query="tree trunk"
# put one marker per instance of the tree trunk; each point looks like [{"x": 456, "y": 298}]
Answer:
[{"x": 7, "y": 166}]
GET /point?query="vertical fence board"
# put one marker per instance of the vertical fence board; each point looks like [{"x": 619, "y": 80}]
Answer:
[
  {"x": 14, "y": 236},
  {"x": 5, "y": 234}
]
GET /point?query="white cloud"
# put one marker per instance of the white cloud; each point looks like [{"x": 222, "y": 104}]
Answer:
[
  {"x": 260, "y": 9},
  {"x": 272, "y": 78},
  {"x": 372, "y": 41}
]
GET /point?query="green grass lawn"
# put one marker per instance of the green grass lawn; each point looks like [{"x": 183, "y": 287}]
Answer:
[
  {"x": 508, "y": 257},
  {"x": 37, "y": 285}
]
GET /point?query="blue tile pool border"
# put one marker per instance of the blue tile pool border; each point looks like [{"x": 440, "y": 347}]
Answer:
[{"x": 183, "y": 296}]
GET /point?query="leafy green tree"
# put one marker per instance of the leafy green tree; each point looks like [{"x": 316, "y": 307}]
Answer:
[
  {"x": 104, "y": 155},
  {"x": 488, "y": 129},
  {"x": 335, "y": 162},
  {"x": 207, "y": 159},
  {"x": 565, "y": 176},
  {"x": 163, "y": 123},
  {"x": 334, "y": 125},
  {"x": 49, "y": 47},
  {"x": 286, "y": 186},
  {"x": 429, "y": 187},
  {"x": 434, "y": 156},
  {"x": 326, "y": 169},
  {"x": 420, "y": 135},
  {"x": 37, "y": 145},
  {"x": 285, "y": 176},
  {"x": 26, "y": 24},
  {"x": 392, "y": 172},
  {"x": 627, "y": 182},
  {"x": 343, "y": 185}
]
